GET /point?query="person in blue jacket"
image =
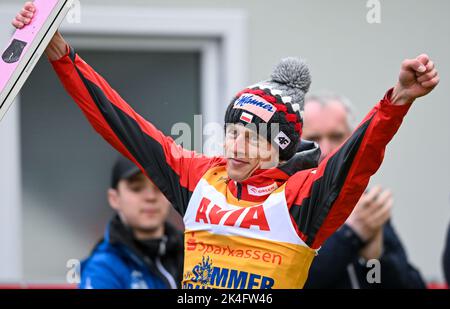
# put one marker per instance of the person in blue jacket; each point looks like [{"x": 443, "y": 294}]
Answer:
[
  {"x": 140, "y": 249},
  {"x": 366, "y": 251}
]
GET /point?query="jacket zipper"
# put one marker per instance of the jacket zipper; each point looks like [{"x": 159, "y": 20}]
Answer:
[
  {"x": 161, "y": 268},
  {"x": 239, "y": 190}
]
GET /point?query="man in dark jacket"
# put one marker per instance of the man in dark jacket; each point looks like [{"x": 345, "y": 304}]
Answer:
[
  {"x": 346, "y": 258},
  {"x": 140, "y": 250},
  {"x": 446, "y": 258}
]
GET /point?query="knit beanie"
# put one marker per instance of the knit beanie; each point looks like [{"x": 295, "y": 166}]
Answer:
[{"x": 277, "y": 102}]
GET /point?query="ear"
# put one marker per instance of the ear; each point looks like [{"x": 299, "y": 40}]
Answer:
[{"x": 113, "y": 199}]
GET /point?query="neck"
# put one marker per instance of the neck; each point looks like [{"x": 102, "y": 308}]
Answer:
[
  {"x": 141, "y": 234},
  {"x": 269, "y": 164}
]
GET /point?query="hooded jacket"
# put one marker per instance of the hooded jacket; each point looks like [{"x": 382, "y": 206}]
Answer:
[
  {"x": 262, "y": 232},
  {"x": 120, "y": 261}
]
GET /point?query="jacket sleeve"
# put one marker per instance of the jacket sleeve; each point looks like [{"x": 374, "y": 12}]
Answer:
[
  {"x": 321, "y": 199},
  {"x": 171, "y": 168},
  {"x": 396, "y": 271},
  {"x": 98, "y": 273},
  {"x": 330, "y": 266}
]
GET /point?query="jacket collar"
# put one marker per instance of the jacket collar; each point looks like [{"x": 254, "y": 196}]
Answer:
[
  {"x": 118, "y": 233},
  {"x": 307, "y": 156}
]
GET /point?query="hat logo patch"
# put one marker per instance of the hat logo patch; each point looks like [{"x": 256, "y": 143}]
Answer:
[
  {"x": 282, "y": 140},
  {"x": 255, "y": 105}
]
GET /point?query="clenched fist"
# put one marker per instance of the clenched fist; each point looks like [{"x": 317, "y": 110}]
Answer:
[{"x": 417, "y": 78}]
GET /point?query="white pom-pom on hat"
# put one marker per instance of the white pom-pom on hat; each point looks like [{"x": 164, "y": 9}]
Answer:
[{"x": 292, "y": 72}]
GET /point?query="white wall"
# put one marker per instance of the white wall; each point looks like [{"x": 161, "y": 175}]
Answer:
[
  {"x": 10, "y": 195},
  {"x": 10, "y": 198},
  {"x": 361, "y": 60}
]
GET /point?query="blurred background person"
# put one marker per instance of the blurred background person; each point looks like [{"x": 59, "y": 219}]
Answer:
[
  {"x": 446, "y": 258},
  {"x": 140, "y": 249},
  {"x": 368, "y": 232}
]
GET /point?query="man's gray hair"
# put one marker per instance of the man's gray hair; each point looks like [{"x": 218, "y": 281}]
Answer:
[{"x": 324, "y": 98}]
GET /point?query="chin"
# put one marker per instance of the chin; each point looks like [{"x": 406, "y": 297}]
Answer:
[
  {"x": 149, "y": 223},
  {"x": 150, "y": 227},
  {"x": 237, "y": 176}
]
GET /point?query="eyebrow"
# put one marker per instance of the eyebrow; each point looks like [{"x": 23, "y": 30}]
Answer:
[{"x": 312, "y": 137}]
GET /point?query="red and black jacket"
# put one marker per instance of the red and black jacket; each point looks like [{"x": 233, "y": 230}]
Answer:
[{"x": 329, "y": 191}]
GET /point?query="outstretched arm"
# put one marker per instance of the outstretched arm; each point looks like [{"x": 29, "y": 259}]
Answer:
[
  {"x": 174, "y": 170},
  {"x": 57, "y": 47},
  {"x": 331, "y": 191}
]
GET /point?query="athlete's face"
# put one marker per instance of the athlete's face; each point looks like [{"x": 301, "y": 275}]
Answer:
[
  {"x": 246, "y": 152},
  {"x": 327, "y": 125},
  {"x": 140, "y": 204}
]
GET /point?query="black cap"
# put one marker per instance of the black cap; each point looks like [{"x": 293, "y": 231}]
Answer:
[{"x": 123, "y": 169}]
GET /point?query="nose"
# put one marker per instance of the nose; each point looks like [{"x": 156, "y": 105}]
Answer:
[
  {"x": 149, "y": 194},
  {"x": 239, "y": 145}
]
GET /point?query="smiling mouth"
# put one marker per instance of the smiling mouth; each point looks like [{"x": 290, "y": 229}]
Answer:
[{"x": 233, "y": 160}]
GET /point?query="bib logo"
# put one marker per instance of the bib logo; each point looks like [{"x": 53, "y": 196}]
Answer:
[
  {"x": 261, "y": 191},
  {"x": 203, "y": 271},
  {"x": 252, "y": 217},
  {"x": 205, "y": 276},
  {"x": 255, "y": 105}
]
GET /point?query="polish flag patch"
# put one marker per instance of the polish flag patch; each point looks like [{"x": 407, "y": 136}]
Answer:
[{"x": 246, "y": 117}]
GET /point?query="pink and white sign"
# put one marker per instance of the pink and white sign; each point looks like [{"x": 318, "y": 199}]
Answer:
[{"x": 26, "y": 46}]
